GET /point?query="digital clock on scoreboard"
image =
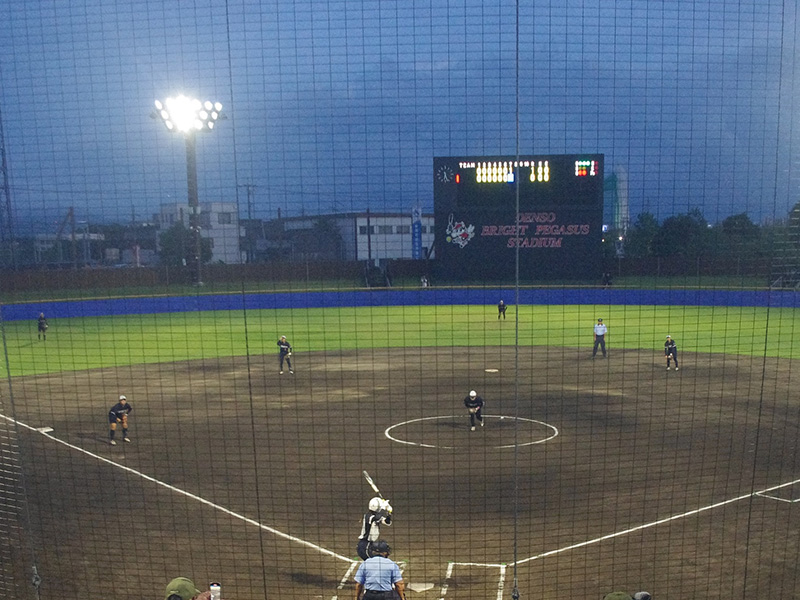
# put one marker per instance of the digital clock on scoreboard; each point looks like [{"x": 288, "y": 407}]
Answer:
[{"x": 563, "y": 180}]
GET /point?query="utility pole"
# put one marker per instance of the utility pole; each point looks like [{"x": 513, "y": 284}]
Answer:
[
  {"x": 251, "y": 188},
  {"x": 6, "y": 219}
]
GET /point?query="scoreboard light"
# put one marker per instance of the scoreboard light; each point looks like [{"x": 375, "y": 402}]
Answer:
[
  {"x": 541, "y": 180},
  {"x": 540, "y": 171},
  {"x": 494, "y": 172},
  {"x": 585, "y": 167}
]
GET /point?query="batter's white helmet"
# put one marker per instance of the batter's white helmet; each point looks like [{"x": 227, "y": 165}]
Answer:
[
  {"x": 375, "y": 504},
  {"x": 473, "y": 393}
]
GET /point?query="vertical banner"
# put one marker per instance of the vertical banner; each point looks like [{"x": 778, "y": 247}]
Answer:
[{"x": 416, "y": 233}]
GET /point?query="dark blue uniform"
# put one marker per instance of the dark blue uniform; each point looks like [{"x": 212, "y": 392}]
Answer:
[
  {"x": 285, "y": 353},
  {"x": 474, "y": 404},
  {"x": 501, "y": 310},
  {"x": 119, "y": 414},
  {"x": 42, "y": 326},
  {"x": 671, "y": 352}
]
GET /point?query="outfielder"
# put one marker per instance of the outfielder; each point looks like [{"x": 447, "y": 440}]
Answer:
[
  {"x": 119, "y": 414},
  {"x": 671, "y": 352},
  {"x": 42, "y": 327},
  {"x": 285, "y": 353},
  {"x": 501, "y": 310},
  {"x": 379, "y": 513},
  {"x": 474, "y": 404}
]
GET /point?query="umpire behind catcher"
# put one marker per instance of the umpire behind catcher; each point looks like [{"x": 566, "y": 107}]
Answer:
[{"x": 378, "y": 577}]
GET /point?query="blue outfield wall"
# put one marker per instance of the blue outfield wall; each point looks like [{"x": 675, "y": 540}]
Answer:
[{"x": 388, "y": 297}]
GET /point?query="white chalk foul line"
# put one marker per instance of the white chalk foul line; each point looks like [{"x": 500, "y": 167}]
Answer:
[
  {"x": 609, "y": 536},
  {"x": 177, "y": 490}
]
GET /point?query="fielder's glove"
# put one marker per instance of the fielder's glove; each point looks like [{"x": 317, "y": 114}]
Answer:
[{"x": 289, "y": 354}]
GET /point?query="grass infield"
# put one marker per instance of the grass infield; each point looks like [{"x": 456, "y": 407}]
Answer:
[{"x": 88, "y": 343}]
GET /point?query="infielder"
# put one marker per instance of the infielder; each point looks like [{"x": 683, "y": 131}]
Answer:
[
  {"x": 600, "y": 331},
  {"x": 501, "y": 310},
  {"x": 119, "y": 414},
  {"x": 285, "y": 353},
  {"x": 671, "y": 352},
  {"x": 474, "y": 404},
  {"x": 379, "y": 513}
]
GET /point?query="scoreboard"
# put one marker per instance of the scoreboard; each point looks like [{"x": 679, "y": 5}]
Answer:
[{"x": 558, "y": 230}]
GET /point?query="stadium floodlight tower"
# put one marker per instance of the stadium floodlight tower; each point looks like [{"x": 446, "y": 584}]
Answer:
[{"x": 190, "y": 116}]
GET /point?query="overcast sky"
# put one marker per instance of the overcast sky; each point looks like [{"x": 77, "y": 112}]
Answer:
[{"x": 340, "y": 106}]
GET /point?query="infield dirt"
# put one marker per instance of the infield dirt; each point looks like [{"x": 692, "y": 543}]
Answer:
[{"x": 601, "y": 475}]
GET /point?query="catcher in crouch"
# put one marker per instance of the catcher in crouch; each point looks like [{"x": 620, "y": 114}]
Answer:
[
  {"x": 474, "y": 404},
  {"x": 379, "y": 513}
]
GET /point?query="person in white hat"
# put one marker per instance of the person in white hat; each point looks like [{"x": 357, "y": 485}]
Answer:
[
  {"x": 119, "y": 415},
  {"x": 474, "y": 404}
]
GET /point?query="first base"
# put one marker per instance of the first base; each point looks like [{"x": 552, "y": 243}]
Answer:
[{"x": 44, "y": 429}]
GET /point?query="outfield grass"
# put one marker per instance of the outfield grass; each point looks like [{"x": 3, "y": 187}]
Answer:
[
  {"x": 87, "y": 343},
  {"x": 399, "y": 283}
]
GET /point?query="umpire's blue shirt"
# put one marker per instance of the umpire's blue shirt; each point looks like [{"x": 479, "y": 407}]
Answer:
[{"x": 378, "y": 574}]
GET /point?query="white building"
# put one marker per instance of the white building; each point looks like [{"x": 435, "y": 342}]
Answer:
[
  {"x": 375, "y": 237},
  {"x": 219, "y": 222}
]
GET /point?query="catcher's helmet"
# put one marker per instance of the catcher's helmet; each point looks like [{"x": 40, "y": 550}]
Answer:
[
  {"x": 375, "y": 504},
  {"x": 473, "y": 393},
  {"x": 380, "y": 547}
]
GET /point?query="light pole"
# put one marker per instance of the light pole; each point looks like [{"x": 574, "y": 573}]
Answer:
[{"x": 190, "y": 116}]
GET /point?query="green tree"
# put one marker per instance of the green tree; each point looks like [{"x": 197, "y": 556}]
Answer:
[
  {"x": 683, "y": 235},
  {"x": 639, "y": 239},
  {"x": 740, "y": 238},
  {"x": 177, "y": 246}
]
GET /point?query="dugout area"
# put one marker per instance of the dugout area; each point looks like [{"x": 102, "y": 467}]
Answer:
[{"x": 655, "y": 480}]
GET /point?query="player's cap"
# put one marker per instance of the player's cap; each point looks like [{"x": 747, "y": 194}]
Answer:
[
  {"x": 181, "y": 587},
  {"x": 381, "y": 547},
  {"x": 669, "y": 337},
  {"x": 283, "y": 337},
  {"x": 641, "y": 596},
  {"x": 473, "y": 393},
  {"x": 599, "y": 320},
  {"x": 123, "y": 397}
]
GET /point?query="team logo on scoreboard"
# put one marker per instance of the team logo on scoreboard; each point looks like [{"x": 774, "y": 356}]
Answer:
[{"x": 458, "y": 232}]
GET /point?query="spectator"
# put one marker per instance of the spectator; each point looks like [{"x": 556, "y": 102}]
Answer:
[{"x": 183, "y": 588}]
